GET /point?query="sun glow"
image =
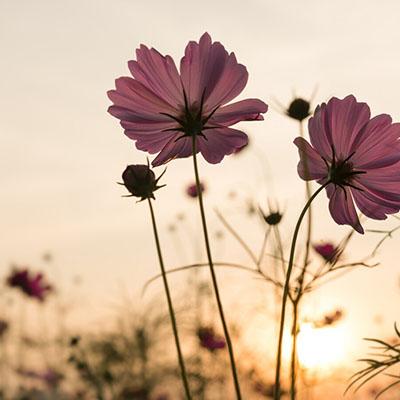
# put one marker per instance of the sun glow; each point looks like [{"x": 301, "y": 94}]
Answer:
[{"x": 321, "y": 348}]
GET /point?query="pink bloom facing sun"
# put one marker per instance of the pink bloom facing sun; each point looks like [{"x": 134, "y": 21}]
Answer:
[
  {"x": 358, "y": 155},
  {"x": 33, "y": 285},
  {"x": 163, "y": 109}
]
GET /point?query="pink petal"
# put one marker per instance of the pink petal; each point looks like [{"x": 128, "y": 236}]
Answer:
[
  {"x": 180, "y": 148},
  {"x": 138, "y": 100},
  {"x": 245, "y": 110},
  {"x": 320, "y": 138},
  {"x": 371, "y": 134},
  {"x": 220, "y": 142},
  {"x": 385, "y": 193},
  {"x": 342, "y": 208},
  {"x": 337, "y": 124},
  {"x": 138, "y": 124},
  {"x": 379, "y": 144},
  {"x": 383, "y": 181},
  {"x": 208, "y": 68},
  {"x": 152, "y": 142},
  {"x": 384, "y": 155},
  {"x": 344, "y": 121},
  {"x": 159, "y": 74},
  {"x": 311, "y": 166},
  {"x": 374, "y": 206},
  {"x": 231, "y": 83}
]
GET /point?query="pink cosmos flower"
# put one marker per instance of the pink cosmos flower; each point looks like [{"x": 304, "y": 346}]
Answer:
[
  {"x": 163, "y": 109},
  {"x": 327, "y": 251},
  {"x": 191, "y": 190},
  {"x": 33, "y": 285},
  {"x": 358, "y": 155}
]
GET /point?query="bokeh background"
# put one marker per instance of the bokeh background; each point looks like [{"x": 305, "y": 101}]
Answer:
[{"x": 62, "y": 154}]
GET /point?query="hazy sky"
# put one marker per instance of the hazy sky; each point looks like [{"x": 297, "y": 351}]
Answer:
[{"x": 61, "y": 154}]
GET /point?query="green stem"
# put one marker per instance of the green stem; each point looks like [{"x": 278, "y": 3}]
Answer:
[
  {"x": 170, "y": 306},
  {"x": 213, "y": 276},
  {"x": 277, "y": 391}
]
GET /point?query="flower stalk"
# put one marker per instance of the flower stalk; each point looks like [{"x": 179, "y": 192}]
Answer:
[
  {"x": 277, "y": 392},
  {"x": 212, "y": 271},
  {"x": 170, "y": 306},
  {"x": 296, "y": 300}
]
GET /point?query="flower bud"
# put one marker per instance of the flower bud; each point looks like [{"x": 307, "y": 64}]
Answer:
[
  {"x": 140, "y": 181},
  {"x": 273, "y": 218},
  {"x": 298, "y": 109}
]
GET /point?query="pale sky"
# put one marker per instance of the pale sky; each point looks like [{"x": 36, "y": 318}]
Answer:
[{"x": 61, "y": 153}]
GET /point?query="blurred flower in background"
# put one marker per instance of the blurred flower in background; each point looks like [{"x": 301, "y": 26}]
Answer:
[
  {"x": 328, "y": 251},
  {"x": 31, "y": 284},
  {"x": 4, "y": 326},
  {"x": 209, "y": 339},
  {"x": 191, "y": 190}
]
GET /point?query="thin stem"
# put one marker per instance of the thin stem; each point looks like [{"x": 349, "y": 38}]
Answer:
[
  {"x": 213, "y": 276},
  {"x": 237, "y": 237},
  {"x": 293, "y": 359},
  {"x": 170, "y": 306},
  {"x": 280, "y": 248},
  {"x": 293, "y": 372},
  {"x": 277, "y": 391},
  {"x": 309, "y": 219},
  {"x": 263, "y": 247}
]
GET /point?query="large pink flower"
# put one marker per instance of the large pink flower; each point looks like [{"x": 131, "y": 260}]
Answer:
[
  {"x": 358, "y": 155},
  {"x": 162, "y": 109}
]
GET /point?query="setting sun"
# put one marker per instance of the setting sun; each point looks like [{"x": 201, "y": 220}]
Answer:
[{"x": 321, "y": 348}]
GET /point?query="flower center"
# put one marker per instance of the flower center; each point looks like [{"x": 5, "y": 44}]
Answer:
[
  {"x": 192, "y": 122},
  {"x": 342, "y": 172}
]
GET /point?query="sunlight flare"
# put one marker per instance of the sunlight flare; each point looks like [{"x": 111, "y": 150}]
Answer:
[{"x": 321, "y": 348}]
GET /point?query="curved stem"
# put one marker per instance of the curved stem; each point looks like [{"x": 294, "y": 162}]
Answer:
[
  {"x": 170, "y": 306},
  {"x": 216, "y": 264},
  {"x": 213, "y": 276},
  {"x": 277, "y": 391},
  {"x": 296, "y": 301}
]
